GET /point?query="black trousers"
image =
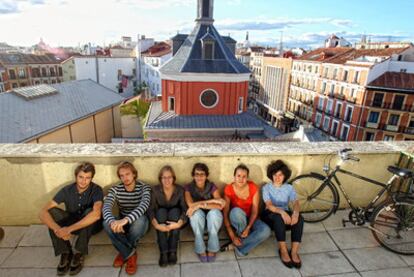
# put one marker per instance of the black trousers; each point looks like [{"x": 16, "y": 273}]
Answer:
[
  {"x": 168, "y": 241},
  {"x": 64, "y": 219},
  {"x": 276, "y": 223}
]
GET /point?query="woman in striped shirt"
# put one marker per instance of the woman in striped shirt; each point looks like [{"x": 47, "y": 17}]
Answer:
[{"x": 133, "y": 198}]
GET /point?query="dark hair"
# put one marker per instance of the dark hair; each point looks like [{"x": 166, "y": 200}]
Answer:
[
  {"x": 200, "y": 167},
  {"x": 164, "y": 169},
  {"x": 276, "y": 166},
  {"x": 127, "y": 165},
  {"x": 85, "y": 167},
  {"x": 241, "y": 167}
]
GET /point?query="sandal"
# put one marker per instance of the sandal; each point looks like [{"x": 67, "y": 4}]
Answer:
[
  {"x": 203, "y": 259},
  {"x": 228, "y": 246}
]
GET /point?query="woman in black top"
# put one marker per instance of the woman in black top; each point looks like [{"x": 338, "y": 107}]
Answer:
[{"x": 167, "y": 214}]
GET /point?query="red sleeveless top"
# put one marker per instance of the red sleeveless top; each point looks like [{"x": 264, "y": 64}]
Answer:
[{"x": 244, "y": 204}]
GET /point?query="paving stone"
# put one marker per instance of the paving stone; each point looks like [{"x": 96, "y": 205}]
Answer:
[
  {"x": 150, "y": 236},
  {"x": 408, "y": 259},
  {"x": 31, "y": 257},
  {"x": 155, "y": 271},
  {"x": 344, "y": 275},
  {"x": 313, "y": 227},
  {"x": 187, "y": 254},
  {"x": 353, "y": 238},
  {"x": 325, "y": 264},
  {"x": 373, "y": 259},
  {"x": 12, "y": 236},
  {"x": 334, "y": 222},
  {"x": 317, "y": 242},
  {"x": 100, "y": 238},
  {"x": 36, "y": 235},
  {"x": 266, "y": 249},
  {"x": 217, "y": 269},
  {"x": 148, "y": 254},
  {"x": 4, "y": 253},
  {"x": 398, "y": 272},
  {"x": 100, "y": 255},
  {"x": 28, "y": 272},
  {"x": 265, "y": 267},
  {"x": 99, "y": 272}
]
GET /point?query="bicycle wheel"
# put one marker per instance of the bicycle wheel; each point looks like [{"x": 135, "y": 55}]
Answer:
[
  {"x": 318, "y": 200},
  {"x": 392, "y": 225}
]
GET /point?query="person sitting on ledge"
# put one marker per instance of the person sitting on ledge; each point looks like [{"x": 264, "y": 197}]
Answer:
[
  {"x": 241, "y": 213},
  {"x": 167, "y": 214},
  {"x": 277, "y": 195},
  {"x": 205, "y": 205},
  {"x": 82, "y": 217},
  {"x": 133, "y": 198}
]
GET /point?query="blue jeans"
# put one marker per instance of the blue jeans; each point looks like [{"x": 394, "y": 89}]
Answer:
[
  {"x": 126, "y": 243},
  {"x": 214, "y": 220},
  {"x": 258, "y": 233}
]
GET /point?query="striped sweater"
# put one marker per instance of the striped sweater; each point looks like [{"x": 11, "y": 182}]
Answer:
[{"x": 132, "y": 205}]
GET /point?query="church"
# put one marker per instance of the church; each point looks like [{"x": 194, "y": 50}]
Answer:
[{"x": 204, "y": 88}]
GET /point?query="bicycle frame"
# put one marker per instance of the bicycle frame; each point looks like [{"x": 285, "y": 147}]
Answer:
[{"x": 385, "y": 187}]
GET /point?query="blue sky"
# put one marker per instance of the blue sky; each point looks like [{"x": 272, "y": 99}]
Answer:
[{"x": 304, "y": 23}]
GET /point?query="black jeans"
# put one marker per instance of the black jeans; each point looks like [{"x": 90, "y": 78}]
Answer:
[
  {"x": 276, "y": 223},
  {"x": 168, "y": 241},
  {"x": 64, "y": 219}
]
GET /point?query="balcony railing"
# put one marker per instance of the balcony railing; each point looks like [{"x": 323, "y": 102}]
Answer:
[
  {"x": 390, "y": 106},
  {"x": 409, "y": 130}
]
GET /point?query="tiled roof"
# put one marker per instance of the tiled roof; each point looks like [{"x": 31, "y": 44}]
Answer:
[
  {"x": 324, "y": 54},
  {"x": 357, "y": 53},
  {"x": 19, "y": 58},
  {"x": 394, "y": 81},
  {"x": 158, "y": 50},
  {"x": 188, "y": 58},
  {"x": 21, "y": 119},
  {"x": 158, "y": 120}
]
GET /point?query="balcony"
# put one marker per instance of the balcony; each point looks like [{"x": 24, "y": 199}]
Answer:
[
  {"x": 409, "y": 130},
  {"x": 389, "y": 106},
  {"x": 391, "y": 128},
  {"x": 372, "y": 125}
]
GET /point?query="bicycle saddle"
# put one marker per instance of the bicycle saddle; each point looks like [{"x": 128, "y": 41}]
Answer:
[{"x": 401, "y": 171}]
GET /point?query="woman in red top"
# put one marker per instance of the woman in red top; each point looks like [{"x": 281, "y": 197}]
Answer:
[{"x": 241, "y": 213}]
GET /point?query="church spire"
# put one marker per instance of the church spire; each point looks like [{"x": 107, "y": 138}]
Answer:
[{"x": 205, "y": 10}]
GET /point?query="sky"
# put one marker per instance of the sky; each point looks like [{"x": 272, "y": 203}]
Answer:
[{"x": 303, "y": 23}]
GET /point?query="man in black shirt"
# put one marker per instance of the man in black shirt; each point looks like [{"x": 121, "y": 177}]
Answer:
[{"x": 82, "y": 217}]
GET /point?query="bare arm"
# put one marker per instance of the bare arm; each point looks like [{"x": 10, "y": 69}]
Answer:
[
  {"x": 46, "y": 218},
  {"x": 226, "y": 212}
]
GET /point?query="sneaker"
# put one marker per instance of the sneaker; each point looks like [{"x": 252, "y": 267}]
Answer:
[
  {"x": 131, "y": 265},
  {"x": 163, "y": 261},
  {"x": 76, "y": 264},
  {"x": 119, "y": 261},
  {"x": 172, "y": 258},
  {"x": 64, "y": 264}
]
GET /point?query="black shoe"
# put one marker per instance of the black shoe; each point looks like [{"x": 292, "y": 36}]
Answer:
[
  {"x": 77, "y": 264},
  {"x": 172, "y": 258},
  {"x": 163, "y": 262},
  {"x": 297, "y": 265},
  {"x": 288, "y": 264},
  {"x": 64, "y": 264}
]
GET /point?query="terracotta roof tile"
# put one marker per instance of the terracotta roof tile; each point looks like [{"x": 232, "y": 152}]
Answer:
[
  {"x": 394, "y": 81},
  {"x": 158, "y": 50},
  {"x": 357, "y": 53},
  {"x": 324, "y": 54}
]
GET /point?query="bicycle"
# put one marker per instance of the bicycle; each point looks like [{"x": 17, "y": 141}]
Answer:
[{"x": 391, "y": 221}]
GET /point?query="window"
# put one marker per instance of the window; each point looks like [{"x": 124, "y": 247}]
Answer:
[
  {"x": 334, "y": 128},
  {"x": 393, "y": 119},
  {"x": 342, "y": 91},
  {"x": 329, "y": 106},
  {"x": 44, "y": 73},
  {"x": 323, "y": 87},
  {"x": 12, "y": 74},
  {"x": 388, "y": 138},
  {"x": 22, "y": 73},
  {"x": 369, "y": 136},
  {"x": 373, "y": 117},
  {"x": 326, "y": 123},
  {"x": 208, "y": 50},
  {"x": 398, "y": 102},
  {"x": 171, "y": 104},
  {"x": 36, "y": 72},
  {"x": 332, "y": 89},
  {"x": 353, "y": 94},
  {"x": 318, "y": 120},
  {"x": 348, "y": 115},
  {"x": 52, "y": 72},
  {"x": 209, "y": 98},
  {"x": 345, "y": 76},
  {"x": 320, "y": 104},
  {"x": 356, "y": 77},
  {"x": 60, "y": 71},
  {"x": 335, "y": 73},
  {"x": 338, "y": 109},
  {"x": 325, "y": 73},
  {"x": 378, "y": 98},
  {"x": 14, "y": 85},
  {"x": 241, "y": 107},
  {"x": 344, "y": 134}
]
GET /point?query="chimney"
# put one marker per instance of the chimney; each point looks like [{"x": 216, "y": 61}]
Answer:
[{"x": 205, "y": 10}]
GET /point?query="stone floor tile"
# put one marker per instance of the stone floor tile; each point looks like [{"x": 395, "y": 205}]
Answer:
[
  {"x": 344, "y": 275},
  {"x": 266, "y": 249},
  {"x": 100, "y": 255},
  {"x": 150, "y": 236},
  {"x": 397, "y": 272},
  {"x": 317, "y": 242},
  {"x": 12, "y": 236},
  {"x": 31, "y": 257},
  {"x": 148, "y": 254},
  {"x": 100, "y": 238},
  {"x": 266, "y": 267},
  {"x": 99, "y": 272},
  {"x": 314, "y": 227},
  {"x": 155, "y": 271},
  {"x": 353, "y": 238},
  {"x": 366, "y": 259},
  {"x": 408, "y": 259},
  {"x": 187, "y": 254},
  {"x": 36, "y": 235},
  {"x": 217, "y": 269},
  {"x": 325, "y": 264},
  {"x": 28, "y": 272},
  {"x": 4, "y": 253},
  {"x": 334, "y": 222}
]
